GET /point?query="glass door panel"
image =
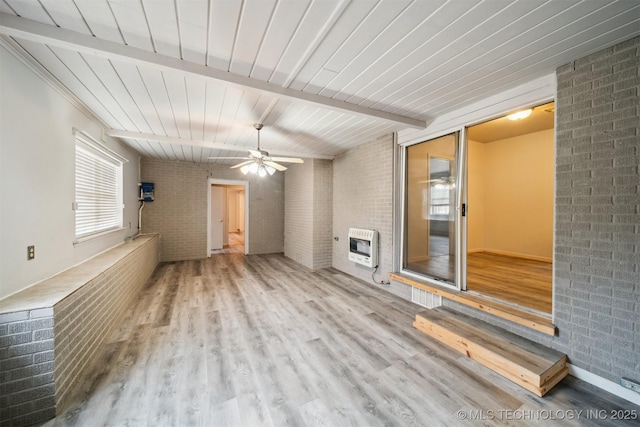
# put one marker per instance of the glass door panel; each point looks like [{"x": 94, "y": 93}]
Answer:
[{"x": 430, "y": 246}]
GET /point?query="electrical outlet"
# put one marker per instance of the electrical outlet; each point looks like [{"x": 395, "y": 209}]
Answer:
[
  {"x": 631, "y": 385},
  {"x": 31, "y": 252}
]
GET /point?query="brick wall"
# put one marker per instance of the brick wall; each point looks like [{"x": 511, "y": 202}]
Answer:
[
  {"x": 323, "y": 213},
  {"x": 363, "y": 198},
  {"x": 308, "y": 213},
  {"x": 597, "y": 236},
  {"x": 596, "y": 282},
  {"x": 83, "y": 320},
  {"x": 298, "y": 213},
  {"x": 179, "y": 212},
  {"x": 26, "y": 367},
  {"x": 44, "y": 351}
]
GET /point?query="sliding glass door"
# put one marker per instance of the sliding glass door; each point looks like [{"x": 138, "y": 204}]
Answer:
[{"x": 431, "y": 226}]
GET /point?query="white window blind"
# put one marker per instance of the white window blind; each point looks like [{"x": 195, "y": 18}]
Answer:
[{"x": 98, "y": 204}]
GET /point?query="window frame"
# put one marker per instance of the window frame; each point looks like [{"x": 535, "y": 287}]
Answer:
[
  {"x": 459, "y": 221},
  {"x": 93, "y": 151}
]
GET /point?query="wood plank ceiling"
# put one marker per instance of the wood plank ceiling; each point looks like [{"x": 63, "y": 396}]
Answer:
[{"x": 186, "y": 79}]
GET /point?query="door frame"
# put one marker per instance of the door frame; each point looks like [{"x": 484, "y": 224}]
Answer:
[
  {"x": 460, "y": 242},
  {"x": 219, "y": 193},
  {"x": 245, "y": 184},
  {"x": 538, "y": 91}
]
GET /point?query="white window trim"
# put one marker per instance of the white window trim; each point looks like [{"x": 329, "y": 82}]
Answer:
[
  {"x": 83, "y": 239},
  {"x": 93, "y": 143}
]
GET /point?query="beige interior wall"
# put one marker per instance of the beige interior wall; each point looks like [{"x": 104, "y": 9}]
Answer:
[
  {"x": 241, "y": 213},
  {"x": 511, "y": 195},
  {"x": 475, "y": 196},
  {"x": 235, "y": 206}
]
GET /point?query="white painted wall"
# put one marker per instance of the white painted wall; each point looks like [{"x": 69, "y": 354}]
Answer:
[{"x": 37, "y": 184}]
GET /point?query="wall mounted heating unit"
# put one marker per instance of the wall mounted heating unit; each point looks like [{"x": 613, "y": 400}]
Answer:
[{"x": 363, "y": 247}]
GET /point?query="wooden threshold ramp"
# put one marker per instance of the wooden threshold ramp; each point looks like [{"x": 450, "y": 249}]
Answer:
[{"x": 528, "y": 364}]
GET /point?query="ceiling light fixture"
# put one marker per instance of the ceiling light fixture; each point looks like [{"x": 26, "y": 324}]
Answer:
[
  {"x": 258, "y": 168},
  {"x": 519, "y": 115}
]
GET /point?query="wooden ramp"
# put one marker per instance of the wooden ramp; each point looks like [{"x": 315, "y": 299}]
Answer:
[{"x": 524, "y": 362}]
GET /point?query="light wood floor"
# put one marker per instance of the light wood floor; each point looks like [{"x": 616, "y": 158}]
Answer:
[
  {"x": 523, "y": 282},
  {"x": 262, "y": 341},
  {"x": 235, "y": 246}
]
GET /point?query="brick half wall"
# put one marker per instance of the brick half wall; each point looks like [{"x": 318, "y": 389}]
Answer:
[{"x": 44, "y": 351}]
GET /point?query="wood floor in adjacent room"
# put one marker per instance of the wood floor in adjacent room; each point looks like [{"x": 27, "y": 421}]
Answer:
[
  {"x": 519, "y": 281},
  {"x": 262, "y": 341}
]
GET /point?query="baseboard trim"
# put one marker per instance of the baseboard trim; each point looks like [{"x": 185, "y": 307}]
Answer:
[
  {"x": 511, "y": 254},
  {"x": 604, "y": 384}
]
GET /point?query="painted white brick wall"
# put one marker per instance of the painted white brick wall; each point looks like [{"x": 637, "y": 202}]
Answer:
[
  {"x": 308, "y": 213},
  {"x": 179, "y": 212},
  {"x": 298, "y": 213},
  {"x": 323, "y": 209},
  {"x": 363, "y": 198}
]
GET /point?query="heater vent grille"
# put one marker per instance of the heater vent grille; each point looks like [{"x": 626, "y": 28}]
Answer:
[{"x": 424, "y": 298}]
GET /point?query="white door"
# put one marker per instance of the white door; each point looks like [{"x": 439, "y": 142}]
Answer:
[{"x": 217, "y": 217}]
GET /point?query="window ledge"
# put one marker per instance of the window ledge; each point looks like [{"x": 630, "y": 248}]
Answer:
[{"x": 80, "y": 240}]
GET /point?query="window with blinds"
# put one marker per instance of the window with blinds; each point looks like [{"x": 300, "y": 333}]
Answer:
[{"x": 98, "y": 203}]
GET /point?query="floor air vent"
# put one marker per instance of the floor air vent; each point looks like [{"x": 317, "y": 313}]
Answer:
[{"x": 424, "y": 298}]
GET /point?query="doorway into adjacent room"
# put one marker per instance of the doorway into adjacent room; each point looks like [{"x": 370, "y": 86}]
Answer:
[
  {"x": 510, "y": 185},
  {"x": 478, "y": 209},
  {"x": 227, "y": 225}
]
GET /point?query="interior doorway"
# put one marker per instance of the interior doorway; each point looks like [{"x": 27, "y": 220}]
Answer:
[
  {"x": 227, "y": 230},
  {"x": 510, "y": 199}
]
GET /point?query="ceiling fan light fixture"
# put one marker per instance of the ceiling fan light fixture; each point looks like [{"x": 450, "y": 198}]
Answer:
[
  {"x": 258, "y": 162},
  {"x": 519, "y": 115}
]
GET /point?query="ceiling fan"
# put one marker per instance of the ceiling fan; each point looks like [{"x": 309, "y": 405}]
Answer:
[{"x": 259, "y": 162}]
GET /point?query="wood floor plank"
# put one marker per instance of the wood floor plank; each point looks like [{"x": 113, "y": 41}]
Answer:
[
  {"x": 262, "y": 341},
  {"x": 225, "y": 414}
]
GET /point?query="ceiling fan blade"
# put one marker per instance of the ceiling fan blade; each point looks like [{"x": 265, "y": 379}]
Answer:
[
  {"x": 255, "y": 153},
  {"x": 239, "y": 165},
  {"x": 287, "y": 159},
  {"x": 229, "y": 158},
  {"x": 275, "y": 165}
]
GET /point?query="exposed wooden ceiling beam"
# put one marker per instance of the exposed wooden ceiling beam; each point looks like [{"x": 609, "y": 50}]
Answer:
[
  {"x": 115, "y": 133},
  {"x": 48, "y": 34}
]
